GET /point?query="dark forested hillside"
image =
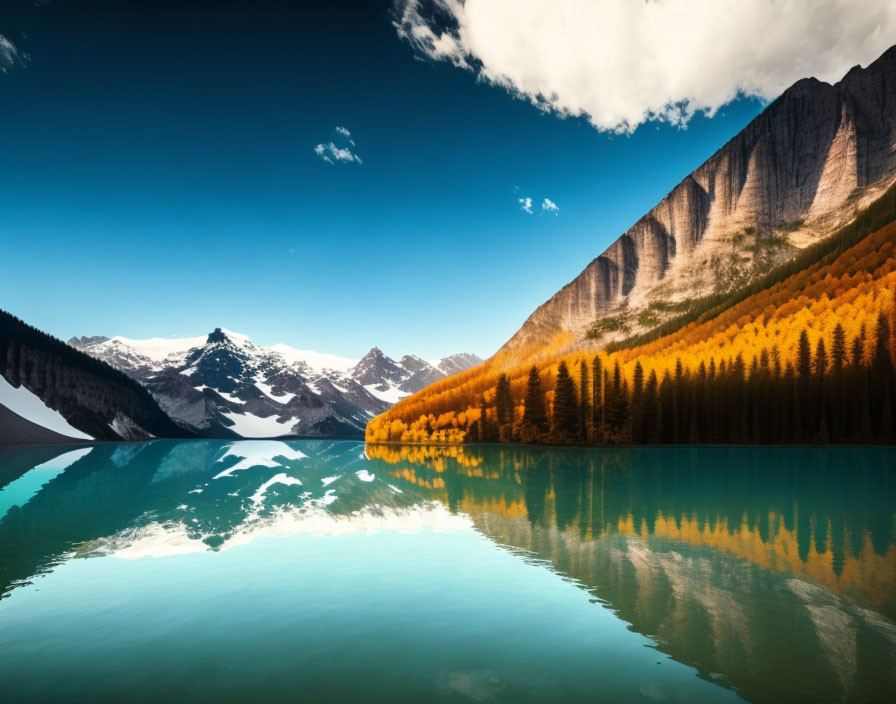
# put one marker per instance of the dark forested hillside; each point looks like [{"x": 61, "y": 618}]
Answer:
[{"x": 92, "y": 396}]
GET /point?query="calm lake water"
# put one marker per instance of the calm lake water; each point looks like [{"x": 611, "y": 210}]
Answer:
[{"x": 326, "y": 571}]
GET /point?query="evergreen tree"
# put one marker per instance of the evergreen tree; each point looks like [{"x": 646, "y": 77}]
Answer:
[
  {"x": 804, "y": 357},
  {"x": 535, "y": 417},
  {"x": 584, "y": 406},
  {"x": 503, "y": 401},
  {"x": 637, "y": 382},
  {"x": 566, "y": 425},
  {"x": 650, "y": 427},
  {"x": 597, "y": 398},
  {"x": 617, "y": 404},
  {"x": 880, "y": 359},
  {"x": 504, "y": 409},
  {"x": 838, "y": 349},
  {"x": 821, "y": 359},
  {"x": 665, "y": 429},
  {"x": 637, "y": 409},
  {"x": 858, "y": 348}
]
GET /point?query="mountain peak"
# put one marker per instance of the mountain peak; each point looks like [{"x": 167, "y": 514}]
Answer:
[
  {"x": 412, "y": 360},
  {"x": 84, "y": 340},
  {"x": 217, "y": 336},
  {"x": 457, "y": 363}
]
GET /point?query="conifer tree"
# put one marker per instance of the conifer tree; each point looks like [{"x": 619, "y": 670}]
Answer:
[
  {"x": 503, "y": 401},
  {"x": 617, "y": 407},
  {"x": 637, "y": 410},
  {"x": 650, "y": 411},
  {"x": 504, "y": 409},
  {"x": 637, "y": 382},
  {"x": 535, "y": 417},
  {"x": 858, "y": 348},
  {"x": 584, "y": 405},
  {"x": 880, "y": 359},
  {"x": 597, "y": 398},
  {"x": 566, "y": 424},
  {"x": 838, "y": 349},
  {"x": 804, "y": 357},
  {"x": 821, "y": 359},
  {"x": 665, "y": 428}
]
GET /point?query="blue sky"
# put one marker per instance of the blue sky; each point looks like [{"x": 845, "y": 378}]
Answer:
[{"x": 160, "y": 178}]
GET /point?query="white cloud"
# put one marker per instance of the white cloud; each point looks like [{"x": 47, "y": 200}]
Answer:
[
  {"x": 549, "y": 206},
  {"x": 620, "y": 63},
  {"x": 526, "y": 205},
  {"x": 333, "y": 153},
  {"x": 345, "y": 133},
  {"x": 9, "y": 54}
]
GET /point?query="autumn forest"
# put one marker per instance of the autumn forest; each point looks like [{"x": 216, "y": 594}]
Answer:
[{"x": 804, "y": 354}]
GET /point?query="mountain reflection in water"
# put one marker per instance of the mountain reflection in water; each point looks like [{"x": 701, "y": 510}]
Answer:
[{"x": 771, "y": 571}]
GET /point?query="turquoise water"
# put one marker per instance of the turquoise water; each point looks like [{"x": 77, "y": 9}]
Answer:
[{"x": 330, "y": 571}]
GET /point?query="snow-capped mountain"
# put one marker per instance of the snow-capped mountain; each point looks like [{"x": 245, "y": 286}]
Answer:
[{"x": 224, "y": 385}]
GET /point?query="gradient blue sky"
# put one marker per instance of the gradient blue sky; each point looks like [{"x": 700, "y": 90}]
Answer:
[{"x": 159, "y": 179}]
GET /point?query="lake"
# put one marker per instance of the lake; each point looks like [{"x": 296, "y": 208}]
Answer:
[{"x": 315, "y": 570}]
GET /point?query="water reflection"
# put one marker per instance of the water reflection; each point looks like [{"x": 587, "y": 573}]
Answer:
[
  {"x": 171, "y": 497},
  {"x": 771, "y": 571}
]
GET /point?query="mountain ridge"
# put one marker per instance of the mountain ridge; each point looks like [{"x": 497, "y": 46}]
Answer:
[
  {"x": 224, "y": 385},
  {"x": 793, "y": 174}
]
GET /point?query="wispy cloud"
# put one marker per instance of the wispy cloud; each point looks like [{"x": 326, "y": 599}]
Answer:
[
  {"x": 620, "y": 63},
  {"x": 526, "y": 205},
  {"x": 345, "y": 133},
  {"x": 333, "y": 153},
  {"x": 9, "y": 54},
  {"x": 549, "y": 206}
]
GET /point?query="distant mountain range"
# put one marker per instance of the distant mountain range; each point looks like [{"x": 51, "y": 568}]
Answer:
[{"x": 224, "y": 385}]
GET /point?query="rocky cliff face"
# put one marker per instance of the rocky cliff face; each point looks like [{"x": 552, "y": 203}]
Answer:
[{"x": 795, "y": 173}]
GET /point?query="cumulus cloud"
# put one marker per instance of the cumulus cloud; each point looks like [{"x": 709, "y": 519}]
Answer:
[
  {"x": 9, "y": 54},
  {"x": 332, "y": 153},
  {"x": 525, "y": 205},
  {"x": 549, "y": 206},
  {"x": 620, "y": 63}
]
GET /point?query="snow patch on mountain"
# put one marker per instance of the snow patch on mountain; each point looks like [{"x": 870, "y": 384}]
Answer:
[
  {"x": 314, "y": 360},
  {"x": 248, "y": 425},
  {"x": 387, "y": 392},
  {"x": 30, "y": 407},
  {"x": 156, "y": 349}
]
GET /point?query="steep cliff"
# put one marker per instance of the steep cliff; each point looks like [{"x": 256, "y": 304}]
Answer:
[{"x": 797, "y": 171}]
